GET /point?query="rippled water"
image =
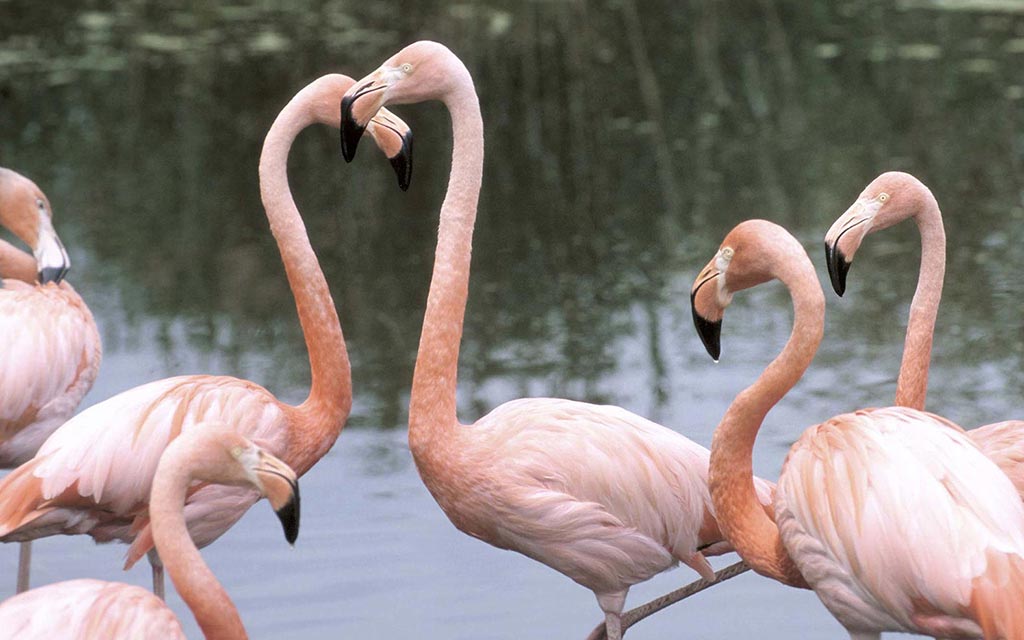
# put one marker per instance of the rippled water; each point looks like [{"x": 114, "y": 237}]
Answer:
[{"x": 622, "y": 144}]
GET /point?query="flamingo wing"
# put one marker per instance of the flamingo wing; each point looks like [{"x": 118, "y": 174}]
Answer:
[
  {"x": 1003, "y": 444},
  {"x": 894, "y": 516},
  {"x": 86, "y": 609},
  {"x": 95, "y": 472},
  {"x": 49, "y": 358}
]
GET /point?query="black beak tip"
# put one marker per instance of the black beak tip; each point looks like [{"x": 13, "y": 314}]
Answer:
[
  {"x": 402, "y": 163},
  {"x": 289, "y": 517},
  {"x": 52, "y": 274},
  {"x": 838, "y": 267},
  {"x": 350, "y": 131},
  {"x": 710, "y": 333}
]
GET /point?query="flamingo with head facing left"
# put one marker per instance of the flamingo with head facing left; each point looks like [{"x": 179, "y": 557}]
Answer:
[
  {"x": 890, "y": 199},
  {"x": 95, "y": 609},
  {"x": 50, "y": 348},
  {"x": 93, "y": 475},
  {"x": 597, "y": 493},
  {"x": 891, "y": 515}
]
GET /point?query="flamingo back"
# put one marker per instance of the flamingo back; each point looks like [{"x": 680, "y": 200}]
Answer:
[
  {"x": 1003, "y": 444},
  {"x": 49, "y": 357},
  {"x": 899, "y": 523},
  {"x": 87, "y": 609}
]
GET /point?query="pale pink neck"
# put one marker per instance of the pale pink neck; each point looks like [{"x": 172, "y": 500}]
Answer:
[
  {"x": 198, "y": 587},
  {"x": 16, "y": 264},
  {"x": 731, "y": 476},
  {"x": 321, "y": 417},
  {"x": 912, "y": 385},
  {"x": 432, "y": 408}
]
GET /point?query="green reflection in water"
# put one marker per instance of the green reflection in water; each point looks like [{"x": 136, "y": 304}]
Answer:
[{"x": 624, "y": 140}]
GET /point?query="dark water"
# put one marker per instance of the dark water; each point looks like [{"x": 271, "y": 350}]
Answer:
[{"x": 624, "y": 139}]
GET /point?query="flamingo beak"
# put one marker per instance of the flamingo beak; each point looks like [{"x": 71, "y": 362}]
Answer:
[
  {"x": 842, "y": 241},
  {"x": 281, "y": 489},
  {"x": 51, "y": 257},
  {"x": 394, "y": 137},
  {"x": 358, "y": 106},
  {"x": 707, "y": 312}
]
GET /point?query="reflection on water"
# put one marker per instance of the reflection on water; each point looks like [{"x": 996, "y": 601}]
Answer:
[{"x": 623, "y": 140}]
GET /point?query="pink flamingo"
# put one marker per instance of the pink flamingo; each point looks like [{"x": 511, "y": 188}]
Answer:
[
  {"x": 209, "y": 453},
  {"x": 595, "y": 492},
  {"x": 50, "y": 352},
  {"x": 93, "y": 475},
  {"x": 892, "y": 515},
  {"x": 890, "y": 199}
]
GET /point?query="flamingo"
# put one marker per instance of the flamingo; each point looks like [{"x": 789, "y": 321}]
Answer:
[
  {"x": 599, "y": 494},
  {"x": 50, "y": 352},
  {"x": 88, "y": 609},
  {"x": 890, "y": 199},
  {"x": 93, "y": 475},
  {"x": 891, "y": 515}
]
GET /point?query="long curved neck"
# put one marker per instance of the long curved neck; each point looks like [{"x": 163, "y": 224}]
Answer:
[
  {"x": 912, "y": 385},
  {"x": 16, "y": 264},
  {"x": 432, "y": 409},
  {"x": 320, "y": 418},
  {"x": 198, "y": 587},
  {"x": 731, "y": 475}
]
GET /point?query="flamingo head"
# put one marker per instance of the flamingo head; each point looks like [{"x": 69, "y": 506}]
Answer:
[
  {"x": 218, "y": 454},
  {"x": 25, "y": 210},
  {"x": 420, "y": 72},
  {"x": 390, "y": 132},
  {"x": 752, "y": 253},
  {"x": 892, "y": 197}
]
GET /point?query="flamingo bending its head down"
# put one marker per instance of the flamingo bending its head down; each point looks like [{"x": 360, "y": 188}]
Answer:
[
  {"x": 93, "y": 475},
  {"x": 597, "y": 493},
  {"x": 94, "y": 609},
  {"x": 892, "y": 515},
  {"x": 50, "y": 348},
  {"x": 890, "y": 199}
]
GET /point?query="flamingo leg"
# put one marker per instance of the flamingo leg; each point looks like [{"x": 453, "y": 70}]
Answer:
[
  {"x": 24, "y": 565},
  {"x": 158, "y": 574}
]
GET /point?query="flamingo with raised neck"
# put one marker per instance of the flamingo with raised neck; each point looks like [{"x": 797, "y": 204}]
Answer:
[
  {"x": 50, "y": 349},
  {"x": 890, "y": 199},
  {"x": 892, "y": 515},
  {"x": 94, "y": 473},
  {"x": 599, "y": 494},
  {"x": 95, "y": 609}
]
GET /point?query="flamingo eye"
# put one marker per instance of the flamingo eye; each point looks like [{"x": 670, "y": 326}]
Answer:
[
  {"x": 406, "y": 68},
  {"x": 882, "y": 197},
  {"x": 727, "y": 253},
  {"x": 236, "y": 451}
]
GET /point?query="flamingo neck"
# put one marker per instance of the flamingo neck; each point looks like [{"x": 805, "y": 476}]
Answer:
[
  {"x": 912, "y": 384},
  {"x": 16, "y": 264},
  {"x": 432, "y": 408},
  {"x": 319, "y": 419},
  {"x": 198, "y": 587},
  {"x": 731, "y": 476}
]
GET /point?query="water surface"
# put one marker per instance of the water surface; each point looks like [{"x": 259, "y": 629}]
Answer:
[{"x": 623, "y": 141}]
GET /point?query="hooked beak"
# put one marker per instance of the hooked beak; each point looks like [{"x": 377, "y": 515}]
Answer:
[
  {"x": 281, "y": 489},
  {"x": 51, "y": 257},
  {"x": 394, "y": 137},
  {"x": 707, "y": 314},
  {"x": 842, "y": 241},
  {"x": 358, "y": 106}
]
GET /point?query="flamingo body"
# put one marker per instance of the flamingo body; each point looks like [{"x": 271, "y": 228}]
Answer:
[
  {"x": 49, "y": 357},
  {"x": 871, "y": 504},
  {"x": 87, "y": 609},
  {"x": 79, "y": 482},
  {"x": 595, "y": 492}
]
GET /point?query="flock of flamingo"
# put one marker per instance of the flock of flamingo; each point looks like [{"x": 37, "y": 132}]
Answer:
[{"x": 898, "y": 519}]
